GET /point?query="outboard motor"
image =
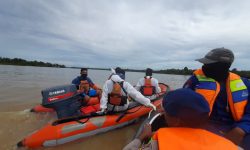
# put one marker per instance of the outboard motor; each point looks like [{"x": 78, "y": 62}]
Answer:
[{"x": 64, "y": 99}]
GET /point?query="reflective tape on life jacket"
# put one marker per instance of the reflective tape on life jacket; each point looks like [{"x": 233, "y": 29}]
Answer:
[
  {"x": 115, "y": 97},
  {"x": 237, "y": 93},
  {"x": 147, "y": 89},
  {"x": 207, "y": 87},
  {"x": 189, "y": 138}
]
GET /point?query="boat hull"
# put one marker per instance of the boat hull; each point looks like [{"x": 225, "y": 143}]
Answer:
[{"x": 61, "y": 132}]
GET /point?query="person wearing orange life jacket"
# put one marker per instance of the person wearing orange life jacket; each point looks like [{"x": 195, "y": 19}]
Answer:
[
  {"x": 85, "y": 85},
  {"x": 227, "y": 94},
  {"x": 185, "y": 112},
  {"x": 116, "y": 91},
  {"x": 148, "y": 85}
]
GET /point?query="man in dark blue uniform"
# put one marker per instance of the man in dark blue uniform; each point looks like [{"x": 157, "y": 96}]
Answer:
[
  {"x": 232, "y": 91},
  {"x": 85, "y": 84}
]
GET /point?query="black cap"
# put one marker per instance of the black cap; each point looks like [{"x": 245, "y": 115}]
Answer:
[
  {"x": 218, "y": 55},
  {"x": 119, "y": 70},
  {"x": 186, "y": 104},
  {"x": 149, "y": 72}
]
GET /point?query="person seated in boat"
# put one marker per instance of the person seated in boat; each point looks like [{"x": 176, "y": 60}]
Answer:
[
  {"x": 186, "y": 113},
  {"x": 227, "y": 94},
  {"x": 148, "y": 85},
  {"x": 85, "y": 85},
  {"x": 116, "y": 91}
]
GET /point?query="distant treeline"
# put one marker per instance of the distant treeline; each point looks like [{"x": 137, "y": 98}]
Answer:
[
  {"x": 90, "y": 68},
  {"x": 242, "y": 73},
  {"x": 186, "y": 71},
  {"x": 22, "y": 62}
]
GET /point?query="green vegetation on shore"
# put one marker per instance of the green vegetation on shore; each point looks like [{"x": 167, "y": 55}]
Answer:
[
  {"x": 22, "y": 62},
  {"x": 184, "y": 71}
]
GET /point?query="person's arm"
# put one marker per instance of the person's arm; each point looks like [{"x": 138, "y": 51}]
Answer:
[
  {"x": 236, "y": 135},
  {"x": 242, "y": 127},
  {"x": 96, "y": 87},
  {"x": 133, "y": 145},
  {"x": 93, "y": 85},
  {"x": 131, "y": 91},
  {"x": 105, "y": 92},
  {"x": 136, "y": 95},
  {"x": 75, "y": 81},
  {"x": 137, "y": 144}
]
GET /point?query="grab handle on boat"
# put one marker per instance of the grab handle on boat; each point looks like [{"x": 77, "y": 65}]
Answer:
[
  {"x": 76, "y": 118},
  {"x": 149, "y": 114}
]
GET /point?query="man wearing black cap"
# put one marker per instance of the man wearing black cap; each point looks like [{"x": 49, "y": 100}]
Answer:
[
  {"x": 227, "y": 94},
  {"x": 116, "y": 91},
  {"x": 186, "y": 112},
  {"x": 148, "y": 85}
]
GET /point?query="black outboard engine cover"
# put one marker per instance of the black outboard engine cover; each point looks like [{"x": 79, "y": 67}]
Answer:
[{"x": 64, "y": 99}]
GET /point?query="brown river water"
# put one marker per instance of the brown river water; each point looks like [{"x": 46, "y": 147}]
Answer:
[{"x": 20, "y": 90}]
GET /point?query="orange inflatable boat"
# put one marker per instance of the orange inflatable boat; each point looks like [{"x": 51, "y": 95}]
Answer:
[{"x": 70, "y": 129}]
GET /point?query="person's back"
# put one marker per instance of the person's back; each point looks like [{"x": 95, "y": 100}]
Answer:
[
  {"x": 85, "y": 85},
  {"x": 148, "y": 85},
  {"x": 186, "y": 113},
  {"x": 114, "y": 96},
  {"x": 116, "y": 91},
  {"x": 190, "y": 138}
]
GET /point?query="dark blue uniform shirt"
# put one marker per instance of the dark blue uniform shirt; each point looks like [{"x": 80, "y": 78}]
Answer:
[
  {"x": 220, "y": 111},
  {"x": 78, "y": 80}
]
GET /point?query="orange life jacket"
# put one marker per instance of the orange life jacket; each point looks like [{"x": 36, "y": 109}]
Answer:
[
  {"x": 189, "y": 138},
  {"x": 147, "y": 89},
  {"x": 115, "y": 97},
  {"x": 237, "y": 93},
  {"x": 84, "y": 86}
]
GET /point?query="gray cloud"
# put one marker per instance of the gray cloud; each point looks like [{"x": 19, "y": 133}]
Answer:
[{"x": 134, "y": 34}]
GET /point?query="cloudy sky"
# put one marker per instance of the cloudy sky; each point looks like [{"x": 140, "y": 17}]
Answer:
[{"x": 128, "y": 33}]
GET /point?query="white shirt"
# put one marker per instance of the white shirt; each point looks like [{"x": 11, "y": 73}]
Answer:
[
  {"x": 131, "y": 91},
  {"x": 154, "y": 83}
]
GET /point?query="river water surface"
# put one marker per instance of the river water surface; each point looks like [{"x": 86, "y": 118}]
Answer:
[{"x": 20, "y": 90}]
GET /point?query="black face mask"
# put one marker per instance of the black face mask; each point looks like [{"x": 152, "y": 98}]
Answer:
[
  {"x": 84, "y": 75},
  {"x": 218, "y": 71},
  {"x": 149, "y": 74}
]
